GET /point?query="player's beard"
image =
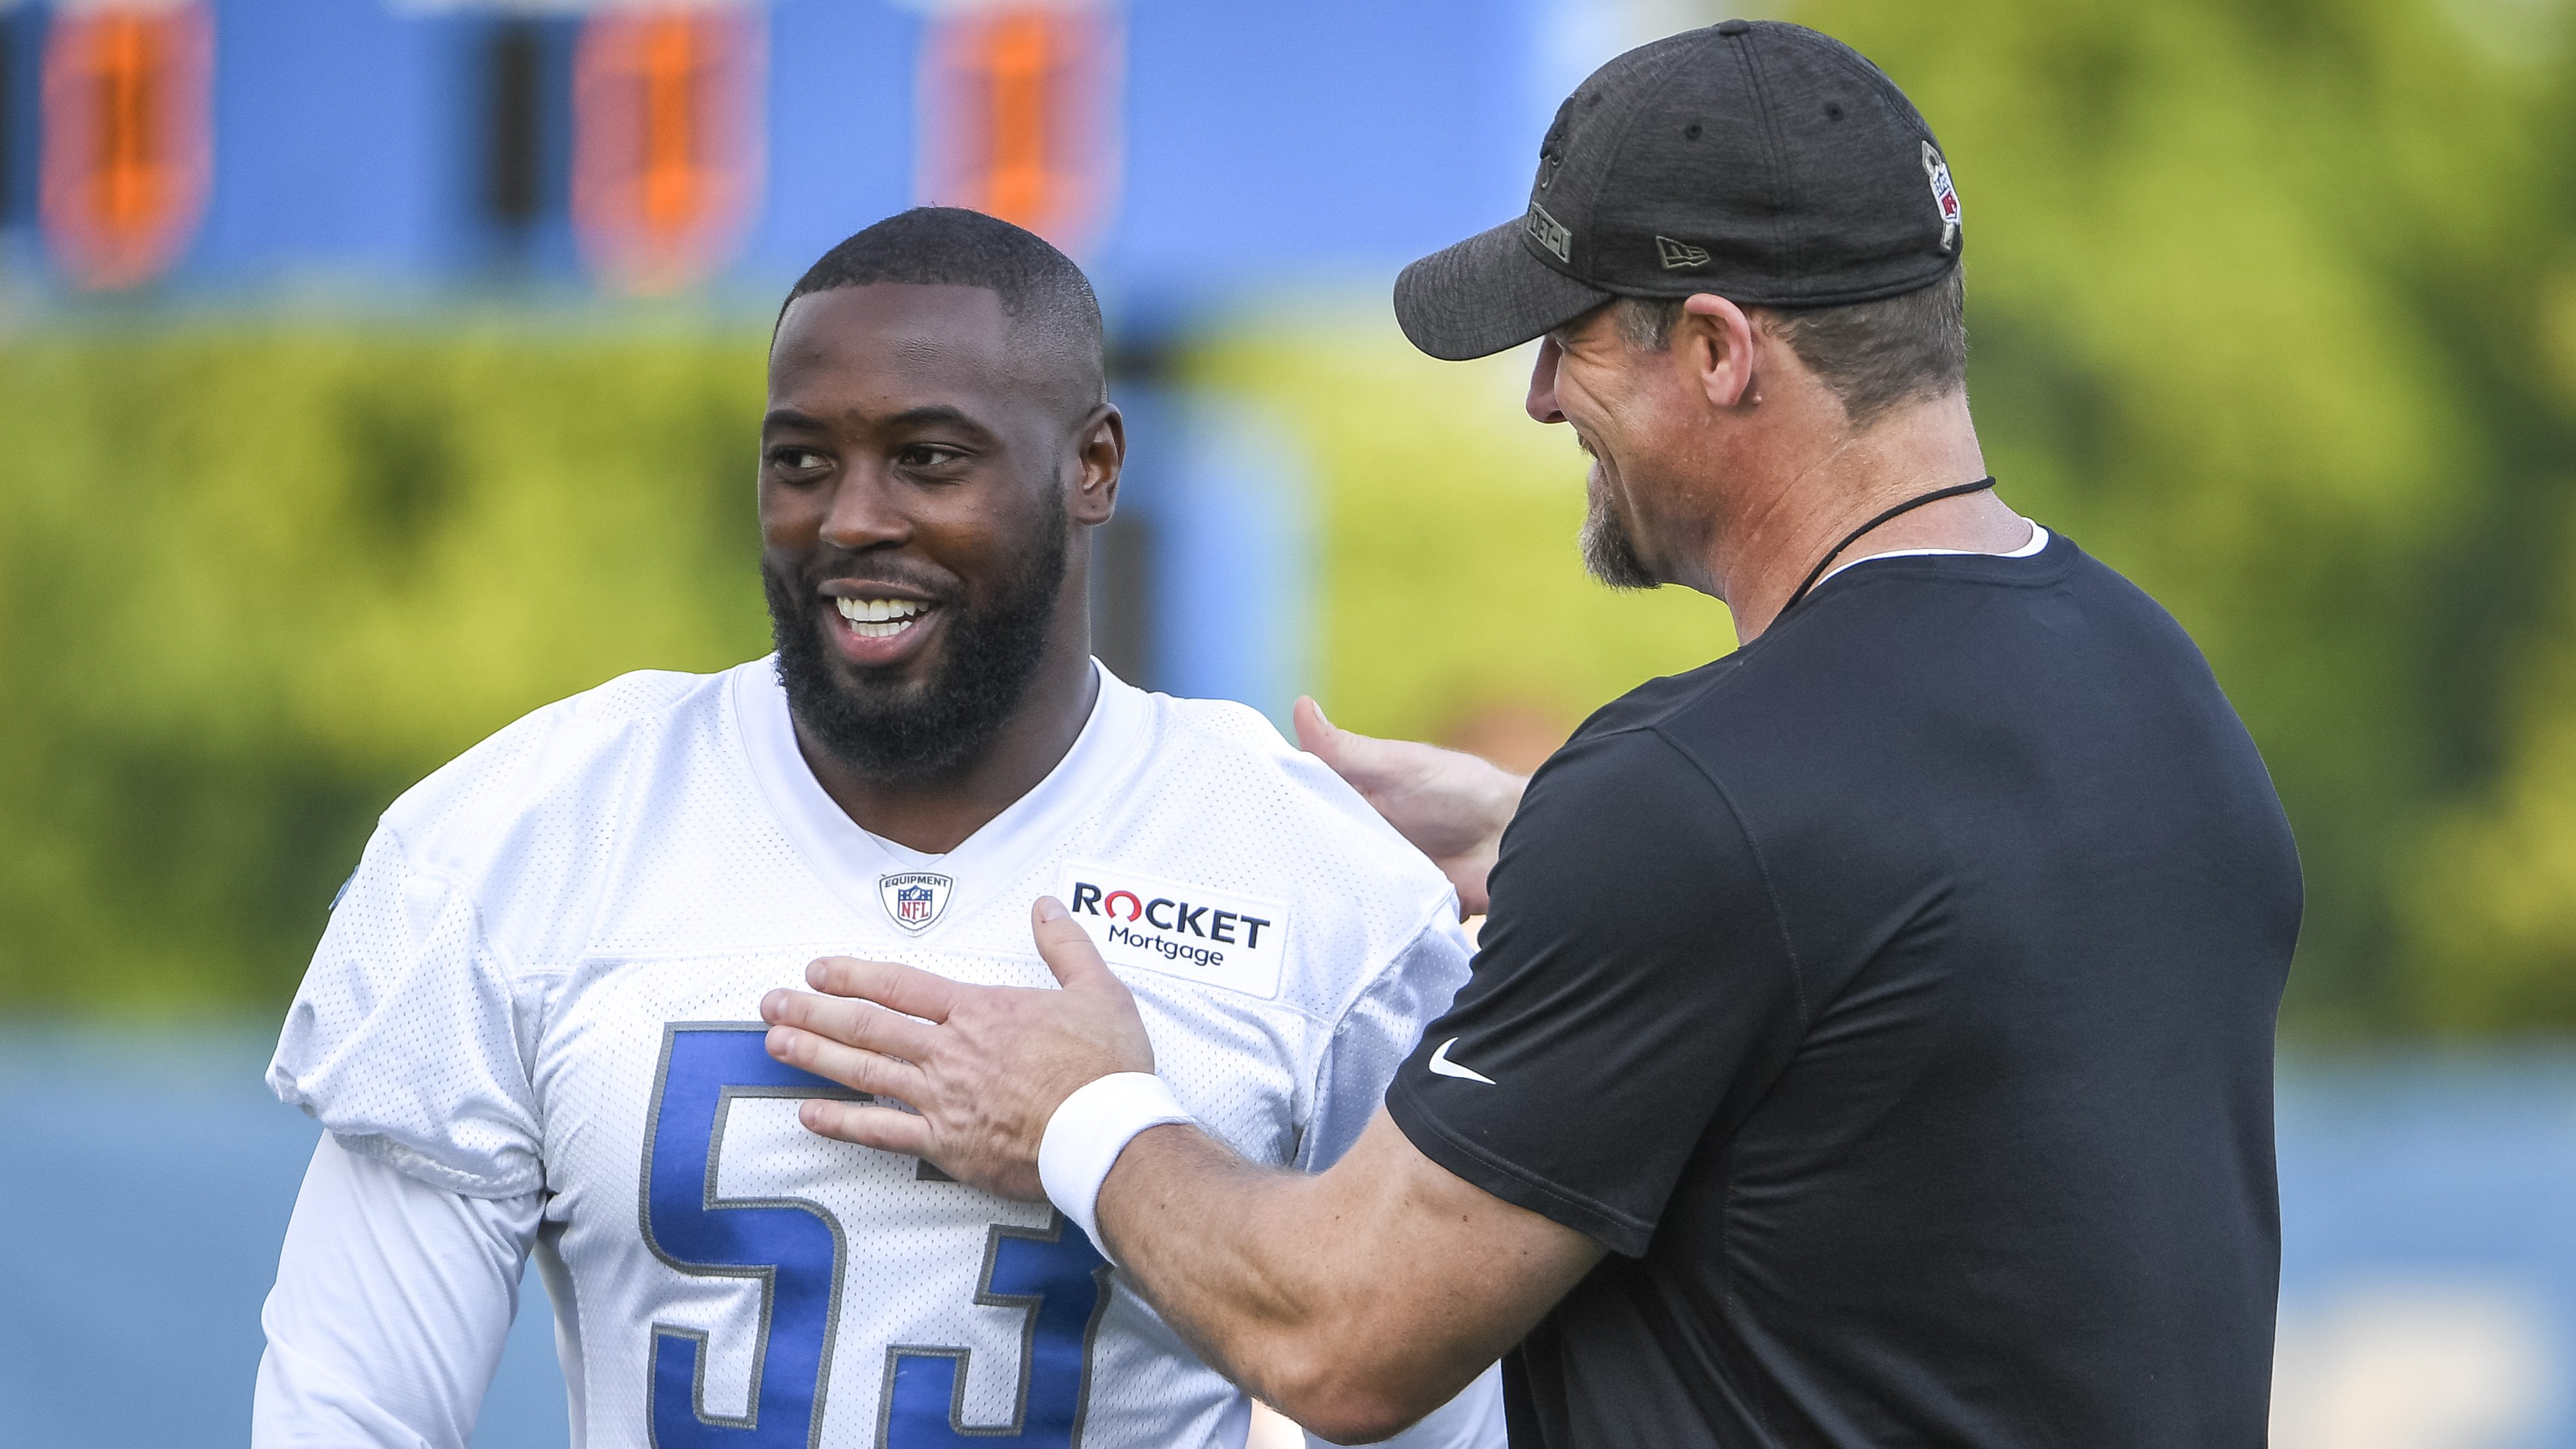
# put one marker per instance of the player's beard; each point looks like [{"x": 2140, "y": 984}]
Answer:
[
  {"x": 894, "y": 729},
  {"x": 1609, "y": 552}
]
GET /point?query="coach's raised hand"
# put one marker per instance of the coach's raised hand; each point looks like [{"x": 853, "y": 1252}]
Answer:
[
  {"x": 983, "y": 1067},
  {"x": 1452, "y": 806}
]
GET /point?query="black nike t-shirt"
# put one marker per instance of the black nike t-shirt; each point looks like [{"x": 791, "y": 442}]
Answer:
[{"x": 1894, "y": 1000}]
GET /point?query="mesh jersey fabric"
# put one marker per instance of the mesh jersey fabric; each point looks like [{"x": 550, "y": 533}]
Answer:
[{"x": 545, "y": 976}]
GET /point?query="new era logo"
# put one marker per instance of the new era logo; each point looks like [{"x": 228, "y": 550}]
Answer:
[
  {"x": 1551, "y": 234},
  {"x": 1678, "y": 256}
]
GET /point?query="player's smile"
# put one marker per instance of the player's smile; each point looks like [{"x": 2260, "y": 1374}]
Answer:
[
  {"x": 926, "y": 463},
  {"x": 874, "y": 626},
  {"x": 880, "y": 618}
]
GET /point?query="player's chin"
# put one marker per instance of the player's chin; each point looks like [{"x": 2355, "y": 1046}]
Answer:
[{"x": 901, "y": 644}]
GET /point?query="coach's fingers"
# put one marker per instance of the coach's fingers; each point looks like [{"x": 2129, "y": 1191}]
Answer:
[
  {"x": 887, "y": 983},
  {"x": 862, "y": 1024},
  {"x": 1363, "y": 760},
  {"x": 869, "y": 1126},
  {"x": 1316, "y": 735},
  {"x": 871, "y": 1072},
  {"x": 1066, "y": 947},
  {"x": 1370, "y": 765}
]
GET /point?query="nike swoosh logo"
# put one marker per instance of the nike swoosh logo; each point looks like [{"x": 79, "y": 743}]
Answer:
[{"x": 1441, "y": 1066}]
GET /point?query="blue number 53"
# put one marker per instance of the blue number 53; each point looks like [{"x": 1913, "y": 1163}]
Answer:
[{"x": 793, "y": 1248}]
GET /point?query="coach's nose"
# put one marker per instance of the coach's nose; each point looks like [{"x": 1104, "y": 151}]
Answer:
[{"x": 1542, "y": 388}]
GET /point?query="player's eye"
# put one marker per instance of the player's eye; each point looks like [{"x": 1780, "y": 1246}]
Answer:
[
  {"x": 928, "y": 455},
  {"x": 797, "y": 460}
]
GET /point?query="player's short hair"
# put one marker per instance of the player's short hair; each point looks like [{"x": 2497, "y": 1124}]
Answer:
[
  {"x": 1043, "y": 293},
  {"x": 1872, "y": 355}
]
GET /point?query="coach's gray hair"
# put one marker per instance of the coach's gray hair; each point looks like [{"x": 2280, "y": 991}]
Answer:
[{"x": 1873, "y": 355}]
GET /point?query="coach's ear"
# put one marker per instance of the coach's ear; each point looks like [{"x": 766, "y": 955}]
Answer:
[
  {"x": 1099, "y": 456},
  {"x": 1714, "y": 340}
]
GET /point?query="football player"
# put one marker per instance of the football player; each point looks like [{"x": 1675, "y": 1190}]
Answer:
[{"x": 533, "y": 1025}]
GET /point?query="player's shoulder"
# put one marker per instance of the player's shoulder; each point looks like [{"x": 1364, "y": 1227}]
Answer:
[
  {"x": 1255, "y": 798},
  {"x": 1262, "y": 779},
  {"x": 544, "y": 794}
]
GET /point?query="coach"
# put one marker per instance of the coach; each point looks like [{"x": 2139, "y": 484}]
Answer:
[{"x": 1872, "y": 1038}]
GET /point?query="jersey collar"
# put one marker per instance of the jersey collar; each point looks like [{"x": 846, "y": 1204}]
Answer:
[
  {"x": 850, "y": 860},
  {"x": 2038, "y": 542}
]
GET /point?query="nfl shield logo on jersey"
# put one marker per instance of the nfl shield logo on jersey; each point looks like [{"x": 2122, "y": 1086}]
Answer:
[{"x": 914, "y": 898}]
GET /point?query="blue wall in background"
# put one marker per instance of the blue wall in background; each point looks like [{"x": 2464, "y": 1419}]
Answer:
[
  {"x": 335, "y": 147},
  {"x": 840, "y": 130},
  {"x": 2428, "y": 1274},
  {"x": 149, "y": 1180},
  {"x": 1266, "y": 142},
  {"x": 1273, "y": 142},
  {"x": 2428, "y": 1263},
  {"x": 1225, "y": 505},
  {"x": 21, "y": 35}
]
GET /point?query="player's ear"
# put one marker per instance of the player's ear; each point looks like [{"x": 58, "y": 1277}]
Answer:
[{"x": 1100, "y": 451}]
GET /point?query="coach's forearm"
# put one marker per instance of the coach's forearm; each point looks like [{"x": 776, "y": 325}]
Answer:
[
  {"x": 1270, "y": 1284},
  {"x": 1355, "y": 1301}
]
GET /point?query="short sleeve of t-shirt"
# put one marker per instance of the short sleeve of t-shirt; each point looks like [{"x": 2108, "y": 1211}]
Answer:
[
  {"x": 1376, "y": 1033},
  {"x": 1632, "y": 987},
  {"x": 404, "y": 1038}
]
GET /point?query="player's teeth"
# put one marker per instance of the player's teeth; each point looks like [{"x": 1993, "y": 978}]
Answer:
[
  {"x": 878, "y": 611},
  {"x": 880, "y": 618}
]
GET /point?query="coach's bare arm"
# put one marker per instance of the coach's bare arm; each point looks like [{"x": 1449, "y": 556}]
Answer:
[{"x": 1355, "y": 1301}]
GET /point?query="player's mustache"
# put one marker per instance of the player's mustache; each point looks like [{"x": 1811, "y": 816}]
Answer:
[{"x": 939, "y": 589}]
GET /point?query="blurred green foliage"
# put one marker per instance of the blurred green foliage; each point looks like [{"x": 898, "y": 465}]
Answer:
[
  {"x": 252, "y": 585},
  {"x": 2273, "y": 306},
  {"x": 1450, "y": 576},
  {"x": 2271, "y": 300}
]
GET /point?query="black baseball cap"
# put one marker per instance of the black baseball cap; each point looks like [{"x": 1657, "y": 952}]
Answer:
[{"x": 1761, "y": 161}]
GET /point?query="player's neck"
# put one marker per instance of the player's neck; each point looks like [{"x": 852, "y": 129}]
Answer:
[{"x": 937, "y": 816}]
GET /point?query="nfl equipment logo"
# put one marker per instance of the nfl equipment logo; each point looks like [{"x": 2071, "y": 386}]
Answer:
[{"x": 914, "y": 899}]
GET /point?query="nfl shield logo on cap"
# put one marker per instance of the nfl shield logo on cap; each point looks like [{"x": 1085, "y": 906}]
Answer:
[
  {"x": 1945, "y": 196},
  {"x": 914, "y": 898}
]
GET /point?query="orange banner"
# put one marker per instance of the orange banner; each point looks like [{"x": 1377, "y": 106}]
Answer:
[
  {"x": 1019, "y": 116},
  {"x": 128, "y": 139},
  {"x": 668, "y": 140}
]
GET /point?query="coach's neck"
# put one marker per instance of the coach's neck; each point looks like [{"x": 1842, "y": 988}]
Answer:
[
  {"x": 1759, "y": 468},
  {"x": 1808, "y": 478}
]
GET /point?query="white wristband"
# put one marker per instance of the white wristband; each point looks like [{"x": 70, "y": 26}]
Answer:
[{"x": 1089, "y": 1130}]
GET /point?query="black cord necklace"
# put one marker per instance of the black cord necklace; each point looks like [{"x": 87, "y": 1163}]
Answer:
[{"x": 1853, "y": 537}]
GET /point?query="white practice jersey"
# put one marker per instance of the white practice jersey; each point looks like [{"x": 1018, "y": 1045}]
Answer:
[{"x": 545, "y": 978}]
